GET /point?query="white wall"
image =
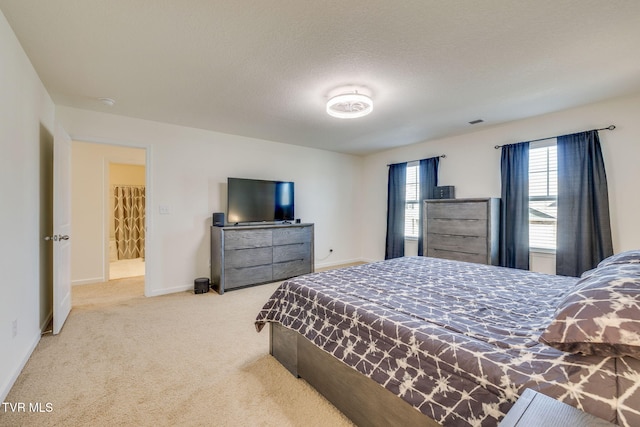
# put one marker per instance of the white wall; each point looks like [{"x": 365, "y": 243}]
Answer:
[
  {"x": 26, "y": 129},
  {"x": 89, "y": 206},
  {"x": 473, "y": 166},
  {"x": 187, "y": 173}
]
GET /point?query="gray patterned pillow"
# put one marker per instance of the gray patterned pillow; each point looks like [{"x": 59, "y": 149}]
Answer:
[
  {"x": 626, "y": 257},
  {"x": 601, "y": 315}
]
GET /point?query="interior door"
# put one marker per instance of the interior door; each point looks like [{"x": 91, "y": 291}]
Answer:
[{"x": 61, "y": 228}]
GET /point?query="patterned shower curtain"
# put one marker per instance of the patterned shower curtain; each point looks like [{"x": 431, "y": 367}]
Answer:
[{"x": 129, "y": 214}]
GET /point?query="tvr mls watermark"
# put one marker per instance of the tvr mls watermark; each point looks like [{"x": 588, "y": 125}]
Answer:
[{"x": 27, "y": 407}]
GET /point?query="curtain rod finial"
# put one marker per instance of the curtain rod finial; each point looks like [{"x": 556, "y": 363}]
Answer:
[{"x": 612, "y": 127}]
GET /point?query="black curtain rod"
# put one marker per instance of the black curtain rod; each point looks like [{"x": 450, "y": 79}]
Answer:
[
  {"x": 411, "y": 161},
  {"x": 612, "y": 127}
]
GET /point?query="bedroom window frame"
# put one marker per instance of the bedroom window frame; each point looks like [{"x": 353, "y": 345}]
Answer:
[
  {"x": 412, "y": 202},
  {"x": 543, "y": 228}
]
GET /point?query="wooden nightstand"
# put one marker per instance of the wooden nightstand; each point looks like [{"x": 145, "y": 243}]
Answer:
[{"x": 534, "y": 409}]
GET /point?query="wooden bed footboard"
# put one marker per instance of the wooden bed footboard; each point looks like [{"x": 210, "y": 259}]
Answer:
[{"x": 360, "y": 398}]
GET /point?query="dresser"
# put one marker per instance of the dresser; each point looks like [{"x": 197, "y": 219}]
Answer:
[
  {"x": 250, "y": 255},
  {"x": 462, "y": 229}
]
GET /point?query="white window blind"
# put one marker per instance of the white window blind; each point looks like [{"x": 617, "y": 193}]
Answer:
[
  {"x": 412, "y": 211},
  {"x": 543, "y": 194}
]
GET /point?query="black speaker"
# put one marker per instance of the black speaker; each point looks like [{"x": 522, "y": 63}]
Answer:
[
  {"x": 201, "y": 285},
  {"x": 218, "y": 219},
  {"x": 445, "y": 192}
]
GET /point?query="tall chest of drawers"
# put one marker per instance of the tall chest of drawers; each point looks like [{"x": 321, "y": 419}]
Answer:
[
  {"x": 462, "y": 229},
  {"x": 250, "y": 255}
]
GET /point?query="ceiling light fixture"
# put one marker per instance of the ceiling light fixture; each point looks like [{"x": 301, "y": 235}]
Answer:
[{"x": 349, "y": 105}]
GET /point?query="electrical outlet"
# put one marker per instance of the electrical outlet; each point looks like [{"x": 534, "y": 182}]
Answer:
[{"x": 14, "y": 328}]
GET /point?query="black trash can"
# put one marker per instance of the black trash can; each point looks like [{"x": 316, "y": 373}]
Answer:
[{"x": 201, "y": 285}]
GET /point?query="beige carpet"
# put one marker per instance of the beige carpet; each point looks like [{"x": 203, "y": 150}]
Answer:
[{"x": 180, "y": 359}]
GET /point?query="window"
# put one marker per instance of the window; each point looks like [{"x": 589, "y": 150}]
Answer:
[
  {"x": 543, "y": 194},
  {"x": 412, "y": 210}
]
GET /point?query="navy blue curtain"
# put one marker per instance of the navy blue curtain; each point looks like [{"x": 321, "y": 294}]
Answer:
[
  {"x": 584, "y": 228},
  {"x": 428, "y": 176},
  {"x": 396, "y": 201},
  {"x": 514, "y": 206}
]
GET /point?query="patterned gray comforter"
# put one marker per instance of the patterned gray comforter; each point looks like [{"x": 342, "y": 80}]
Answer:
[{"x": 458, "y": 341}]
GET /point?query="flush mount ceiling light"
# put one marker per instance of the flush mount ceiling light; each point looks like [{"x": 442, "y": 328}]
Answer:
[{"x": 349, "y": 105}]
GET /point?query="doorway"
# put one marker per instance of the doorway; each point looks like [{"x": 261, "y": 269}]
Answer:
[{"x": 99, "y": 169}]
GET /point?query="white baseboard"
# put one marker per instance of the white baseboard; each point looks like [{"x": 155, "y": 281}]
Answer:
[
  {"x": 6, "y": 387},
  {"x": 158, "y": 292},
  {"x": 189, "y": 287},
  {"x": 88, "y": 281},
  {"x": 321, "y": 265}
]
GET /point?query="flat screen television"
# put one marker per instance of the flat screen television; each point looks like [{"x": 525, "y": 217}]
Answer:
[{"x": 255, "y": 200}]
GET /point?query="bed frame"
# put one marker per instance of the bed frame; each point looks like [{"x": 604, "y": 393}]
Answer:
[{"x": 361, "y": 399}]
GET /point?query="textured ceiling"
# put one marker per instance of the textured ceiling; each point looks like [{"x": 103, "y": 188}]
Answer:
[{"x": 266, "y": 68}]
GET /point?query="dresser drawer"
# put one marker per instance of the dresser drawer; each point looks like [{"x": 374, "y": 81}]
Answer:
[
  {"x": 457, "y": 210},
  {"x": 459, "y": 227},
  {"x": 457, "y": 256},
  {"x": 235, "y": 277},
  {"x": 291, "y": 252},
  {"x": 247, "y": 257},
  {"x": 289, "y": 235},
  {"x": 284, "y": 270},
  {"x": 243, "y": 239},
  {"x": 473, "y": 244}
]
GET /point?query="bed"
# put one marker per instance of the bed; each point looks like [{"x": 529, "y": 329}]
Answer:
[{"x": 457, "y": 343}]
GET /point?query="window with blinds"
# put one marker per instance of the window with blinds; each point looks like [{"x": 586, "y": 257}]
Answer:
[
  {"x": 412, "y": 210},
  {"x": 543, "y": 194}
]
